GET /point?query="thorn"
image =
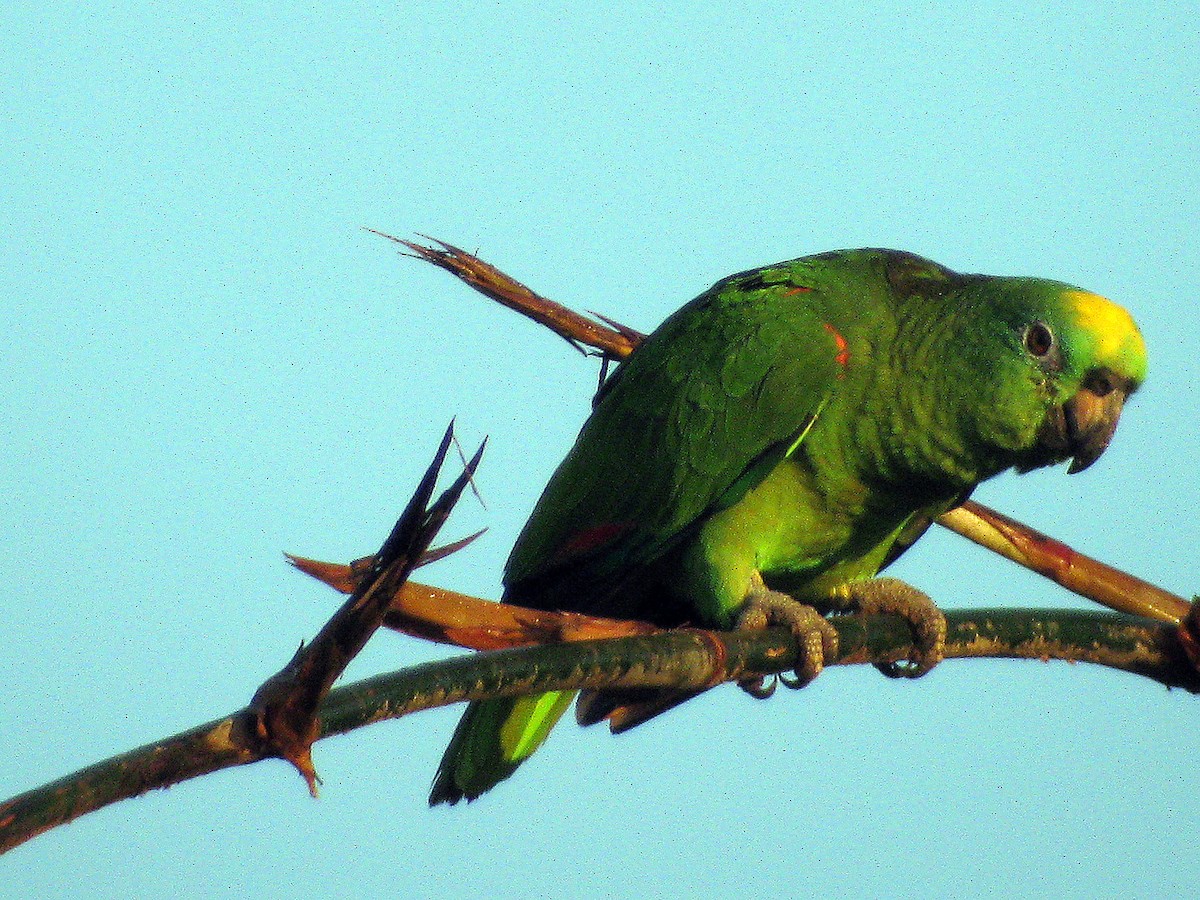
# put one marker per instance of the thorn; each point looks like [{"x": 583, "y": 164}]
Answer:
[
  {"x": 433, "y": 555},
  {"x": 606, "y": 359},
  {"x": 383, "y": 234},
  {"x": 338, "y": 576},
  {"x": 416, "y": 513},
  {"x": 304, "y": 765},
  {"x": 630, "y": 334},
  {"x": 463, "y": 459}
]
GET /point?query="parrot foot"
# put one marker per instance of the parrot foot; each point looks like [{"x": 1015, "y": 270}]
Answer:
[
  {"x": 818, "y": 639},
  {"x": 891, "y": 595}
]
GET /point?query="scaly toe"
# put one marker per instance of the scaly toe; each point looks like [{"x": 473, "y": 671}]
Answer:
[
  {"x": 890, "y": 595},
  {"x": 817, "y": 638}
]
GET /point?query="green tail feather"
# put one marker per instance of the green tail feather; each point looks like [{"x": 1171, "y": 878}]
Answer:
[{"x": 492, "y": 739}]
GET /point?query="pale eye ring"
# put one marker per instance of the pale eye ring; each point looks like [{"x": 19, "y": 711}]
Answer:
[{"x": 1038, "y": 340}]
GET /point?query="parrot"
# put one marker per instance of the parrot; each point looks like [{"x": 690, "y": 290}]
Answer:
[{"x": 782, "y": 438}]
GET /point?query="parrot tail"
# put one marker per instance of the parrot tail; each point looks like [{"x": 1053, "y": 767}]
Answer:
[{"x": 492, "y": 739}]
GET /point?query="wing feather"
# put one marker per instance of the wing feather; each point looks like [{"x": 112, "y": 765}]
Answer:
[{"x": 697, "y": 416}]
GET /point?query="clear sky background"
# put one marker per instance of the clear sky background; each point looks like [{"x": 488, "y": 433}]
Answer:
[{"x": 206, "y": 362}]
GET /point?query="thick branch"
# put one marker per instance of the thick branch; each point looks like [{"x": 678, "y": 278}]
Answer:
[{"x": 675, "y": 659}]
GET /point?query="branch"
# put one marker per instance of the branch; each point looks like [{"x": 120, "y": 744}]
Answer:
[
  {"x": 448, "y": 617},
  {"x": 297, "y": 707},
  {"x": 1019, "y": 543},
  {"x": 490, "y": 281},
  {"x": 1073, "y": 570},
  {"x": 285, "y": 706},
  {"x": 682, "y": 659}
]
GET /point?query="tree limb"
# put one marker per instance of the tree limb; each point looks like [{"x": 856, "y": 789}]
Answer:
[
  {"x": 1078, "y": 573},
  {"x": 285, "y": 706},
  {"x": 688, "y": 659},
  {"x": 296, "y": 707}
]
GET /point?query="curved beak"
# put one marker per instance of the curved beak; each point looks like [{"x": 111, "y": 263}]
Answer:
[{"x": 1082, "y": 428}]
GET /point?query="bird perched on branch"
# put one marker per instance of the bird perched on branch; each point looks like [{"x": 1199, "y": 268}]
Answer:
[{"x": 782, "y": 438}]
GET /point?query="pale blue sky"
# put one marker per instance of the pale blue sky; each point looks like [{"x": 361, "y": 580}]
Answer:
[{"x": 207, "y": 362}]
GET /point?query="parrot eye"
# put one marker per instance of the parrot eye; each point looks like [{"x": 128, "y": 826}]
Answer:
[{"x": 1039, "y": 340}]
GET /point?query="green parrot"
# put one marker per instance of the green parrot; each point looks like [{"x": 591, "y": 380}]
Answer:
[{"x": 783, "y": 437}]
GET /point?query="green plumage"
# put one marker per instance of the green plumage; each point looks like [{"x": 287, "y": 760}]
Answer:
[{"x": 803, "y": 422}]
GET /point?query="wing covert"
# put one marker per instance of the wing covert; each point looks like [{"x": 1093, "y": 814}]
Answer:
[{"x": 695, "y": 417}]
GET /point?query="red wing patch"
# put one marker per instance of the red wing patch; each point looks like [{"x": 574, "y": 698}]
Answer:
[
  {"x": 843, "y": 349},
  {"x": 591, "y": 538},
  {"x": 798, "y": 289}
]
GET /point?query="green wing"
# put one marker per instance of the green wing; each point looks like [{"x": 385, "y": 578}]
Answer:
[
  {"x": 695, "y": 418},
  {"x": 699, "y": 415}
]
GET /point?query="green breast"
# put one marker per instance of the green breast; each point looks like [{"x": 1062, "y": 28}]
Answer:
[{"x": 806, "y": 531}]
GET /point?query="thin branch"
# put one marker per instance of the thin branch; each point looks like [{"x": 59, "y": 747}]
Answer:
[
  {"x": 344, "y": 578},
  {"x": 448, "y": 617},
  {"x": 1075, "y": 571},
  {"x": 490, "y": 281},
  {"x": 286, "y": 704}
]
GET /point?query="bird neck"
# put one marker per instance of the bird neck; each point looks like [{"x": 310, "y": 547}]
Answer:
[{"x": 916, "y": 431}]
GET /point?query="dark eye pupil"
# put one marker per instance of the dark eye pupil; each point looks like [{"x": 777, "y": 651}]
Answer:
[{"x": 1038, "y": 339}]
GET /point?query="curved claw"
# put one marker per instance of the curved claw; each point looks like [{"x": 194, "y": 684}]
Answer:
[
  {"x": 760, "y": 688},
  {"x": 903, "y": 669},
  {"x": 793, "y": 684}
]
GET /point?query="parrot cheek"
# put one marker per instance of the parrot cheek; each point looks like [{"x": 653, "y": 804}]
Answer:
[{"x": 1052, "y": 443}]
